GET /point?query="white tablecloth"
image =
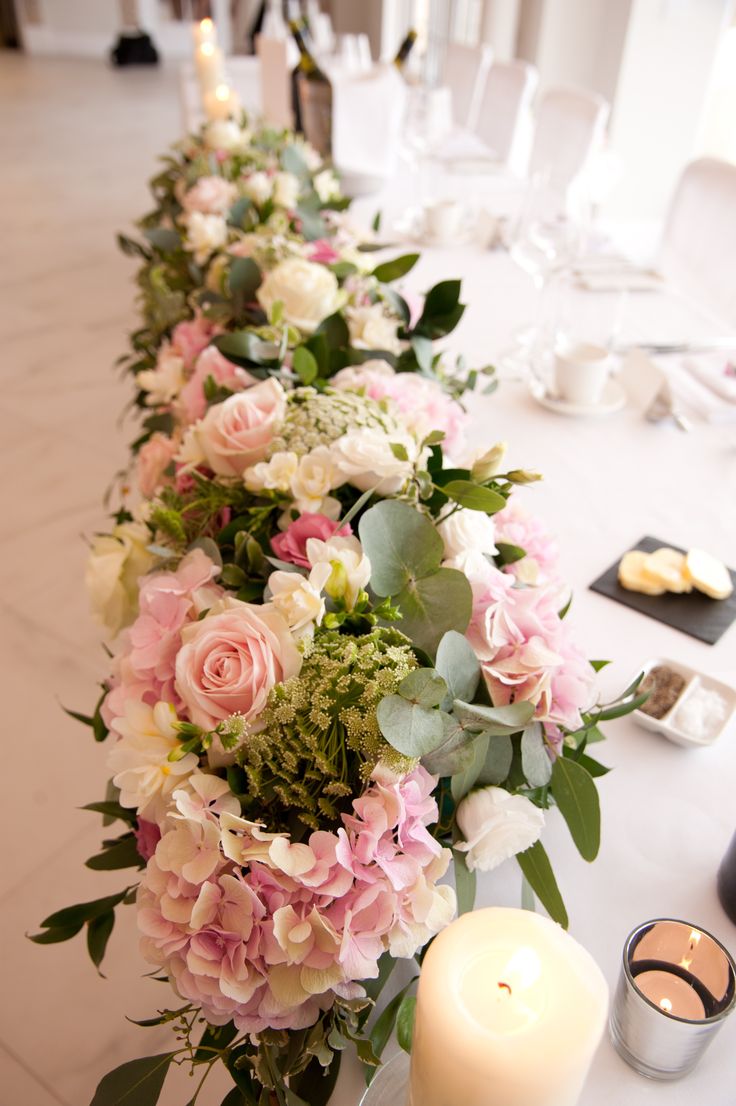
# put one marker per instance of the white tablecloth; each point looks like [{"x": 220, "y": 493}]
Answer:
[{"x": 668, "y": 812}]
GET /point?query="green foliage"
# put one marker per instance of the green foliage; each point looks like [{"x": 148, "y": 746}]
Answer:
[
  {"x": 396, "y": 268},
  {"x": 537, "y": 870},
  {"x": 464, "y": 883},
  {"x": 136, "y": 1083},
  {"x": 405, "y": 1022},
  {"x": 575, "y": 794}
]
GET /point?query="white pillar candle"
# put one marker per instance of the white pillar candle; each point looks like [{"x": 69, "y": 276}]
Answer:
[
  {"x": 209, "y": 65},
  {"x": 204, "y": 31},
  {"x": 510, "y": 1011},
  {"x": 221, "y": 103}
]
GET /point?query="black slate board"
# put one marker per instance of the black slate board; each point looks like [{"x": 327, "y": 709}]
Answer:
[{"x": 694, "y": 613}]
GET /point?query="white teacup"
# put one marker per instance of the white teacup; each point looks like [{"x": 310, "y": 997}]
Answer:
[
  {"x": 581, "y": 372},
  {"x": 443, "y": 220}
]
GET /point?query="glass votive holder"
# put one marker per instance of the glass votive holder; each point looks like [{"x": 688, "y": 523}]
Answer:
[{"x": 677, "y": 987}]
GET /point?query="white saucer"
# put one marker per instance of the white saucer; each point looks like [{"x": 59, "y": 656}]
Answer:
[{"x": 612, "y": 400}]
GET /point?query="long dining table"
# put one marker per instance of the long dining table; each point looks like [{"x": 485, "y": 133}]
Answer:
[{"x": 668, "y": 812}]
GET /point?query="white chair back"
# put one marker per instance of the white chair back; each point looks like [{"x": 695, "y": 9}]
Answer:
[
  {"x": 569, "y": 131},
  {"x": 698, "y": 250},
  {"x": 275, "y": 74},
  {"x": 505, "y": 104},
  {"x": 465, "y": 72}
]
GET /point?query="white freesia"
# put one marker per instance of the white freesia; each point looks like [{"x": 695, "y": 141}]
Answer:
[
  {"x": 114, "y": 566},
  {"x": 139, "y": 760},
  {"x": 224, "y": 134},
  {"x": 162, "y": 384},
  {"x": 315, "y": 477},
  {"x": 258, "y": 188},
  {"x": 496, "y": 826},
  {"x": 327, "y": 186},
  {"x": 299, "y": 598},
  {"x": 466, "y": 533},
  {"x": 276, "y": 474},
  {"x": 371, "y": 328},
  {"x": 205, "y": 234},
  {"x": 308, "y": 292},
  {"x": 366, "y": 459},
  {"x": 350, "y": 568},
  {"x": 285, "y": 190}
]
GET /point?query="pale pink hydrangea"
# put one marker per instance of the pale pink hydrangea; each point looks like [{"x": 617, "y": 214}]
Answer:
[
  {"x": 515, "y": 526},
  {"x": 154, "y": 457},
  {"x": 423, "y": 404},
  {"x": 275, "y": 930},
  {"x": 191, "y": 336},
  {"x": 526, "y": 650}
]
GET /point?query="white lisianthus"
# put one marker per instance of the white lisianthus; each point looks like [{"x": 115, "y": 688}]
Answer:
[
  {"x": 371, "y": 328},
  {"x": 467, "y": 532},
  {"x": 258, "y": 187},
  {"x": 205, "y": 234},
  {"x": 162, "y": 384},
  {"x": 299, "y": 598},
  {"x": 114, "y": 566},
  {"x": 274, "y": 475},
  {"x": 327, "y": 186},
  {"x": 308, "y": 292},
  {"x": 139, "y": 760},
  {"x": 366, "y": 460},
  {"x": 351, "y": 569},
  {"x": 285, "y": 190},
  {"x": 315, "y": 477},
  {"x": 496, "y": 825},
  {"x": 224, "y": 134}
]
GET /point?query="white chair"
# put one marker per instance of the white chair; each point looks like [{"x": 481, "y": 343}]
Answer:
[
  {"x": 698, "y": 250},
  {"x": 570, "y": 128},
  {"x": 465, "y": 72},
  {"x": 504, "y": 106}
]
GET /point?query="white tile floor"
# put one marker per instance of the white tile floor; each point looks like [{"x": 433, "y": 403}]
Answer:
[{"x": 79, "y": 141}]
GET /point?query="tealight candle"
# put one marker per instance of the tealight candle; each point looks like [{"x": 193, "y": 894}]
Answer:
[
  {"x": 677, "y": 986},
  {"x": 510, "y": 1011},
  {"x": 208, "y": 62},
  {"x": 222, "y": 103}
]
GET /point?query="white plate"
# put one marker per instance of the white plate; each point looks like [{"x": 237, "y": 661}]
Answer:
[
  {"x": 667, "y": 725},
  {"x": 612, "y": 400}
]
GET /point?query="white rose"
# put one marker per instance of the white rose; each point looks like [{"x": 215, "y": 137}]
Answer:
[
  {"x": 275, "y": 475},
  {"x": 163, "y": 383},
  {"x": 314, "y": 479},
  {"x": 366, "y": 460},
  {"x": 258, "y": 187},
  {"x": 224, "y": 134},
  {"x": 309, "y": 292},
  {"x": 496, "y": 826},
  {"x": 298, "y": 598},
  {"x": 114, "y": 566},
  {"x": 371, "y": 328},
  {"x": 285, "y": 190},
  {"x": 205, "y": 234},
  {"x": 326, "y": 186},
  {"x": 467, "y": 532},
  {"x": 351, "y": 569}
]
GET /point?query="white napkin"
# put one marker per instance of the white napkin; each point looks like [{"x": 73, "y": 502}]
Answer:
[
  {"x": 710, "y": 371},
  {"x": 699, "y": 398},
  {"x": 368, "y": 111}
]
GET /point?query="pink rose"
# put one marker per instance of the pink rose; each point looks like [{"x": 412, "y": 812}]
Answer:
[
  {"x": 154, "y": 457},
  {"x": 291, "y": 546},
  {"x": 322, "y": 251},
  {"x": 211, "y": 196},
  {"x": 231, "y": 659},
  {"x": 190, "y": 337},
  {"x": 210, "y": 363},
  {"x": 238, "y": 432}
]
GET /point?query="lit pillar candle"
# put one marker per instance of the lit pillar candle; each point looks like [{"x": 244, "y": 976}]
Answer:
[
  {"x": 204, "y": 31},
  {"x": 209, "y": 65},
  {"x": 221, "y": 103},
  {"x": 510, "y": 1011}
]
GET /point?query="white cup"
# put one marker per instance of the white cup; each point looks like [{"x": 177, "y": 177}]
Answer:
[
  {"x": 581, "y": 372},
  {"x": 443, "y": 220}
]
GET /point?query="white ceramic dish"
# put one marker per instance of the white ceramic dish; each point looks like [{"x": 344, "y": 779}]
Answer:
[
  {"x": 612, "y": 400},
  {"x": 355, "y": 183},
  {"x": 667, "y": 725}
]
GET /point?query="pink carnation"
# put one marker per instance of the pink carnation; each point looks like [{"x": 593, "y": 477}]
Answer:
[
  {"x": 153, "y": 459},
  {"x": 190, "y": 337},
  {"x": 322, "y": 251},
  {"x": 210, "y": 362},
  {"x": 291, "y": 546},
  {"x": 526, "y": 651}
]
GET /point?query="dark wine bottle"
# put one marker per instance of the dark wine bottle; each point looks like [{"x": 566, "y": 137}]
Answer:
[
  {"x": 405, "y": 49},
  {"x": 313, "y": 96}
]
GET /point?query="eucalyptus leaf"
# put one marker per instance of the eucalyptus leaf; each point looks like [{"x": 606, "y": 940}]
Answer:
[
  {"x": 434, "y": 604},
  {"x": 462, "y": 782},
  {"x": 423, "y": 686},
  {"x": 400, "y": 543},
  {"x": 455, "y": 754},
  {"x": 497, "y": 720},
  {"x": 465, "y": 882},
  {"x": 458, "y": 665},
  {"x": 576, "y": 795},
  {"x": 137, "y": 1083},
  {"x": 409, "y": 728},
  {"x": 497, "y": 764},
  {"x": 535, "y": 761},
  {"x": 405, "y": 1022},
  {"x": 537, "y": 870},
  {"x": 292, "y": 161}
]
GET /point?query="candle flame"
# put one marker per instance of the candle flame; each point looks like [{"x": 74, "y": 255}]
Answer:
[
  {"x": 222, "y": 93},
  {"x": 686, "y": 962},
  {"x": 666, "y": 1005},
  {"x": 523, "y": 969},
  {"x": 695, "y": 936},
  {"x": 206, "y": 25},
  {"x": 207, "y": 48}
]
